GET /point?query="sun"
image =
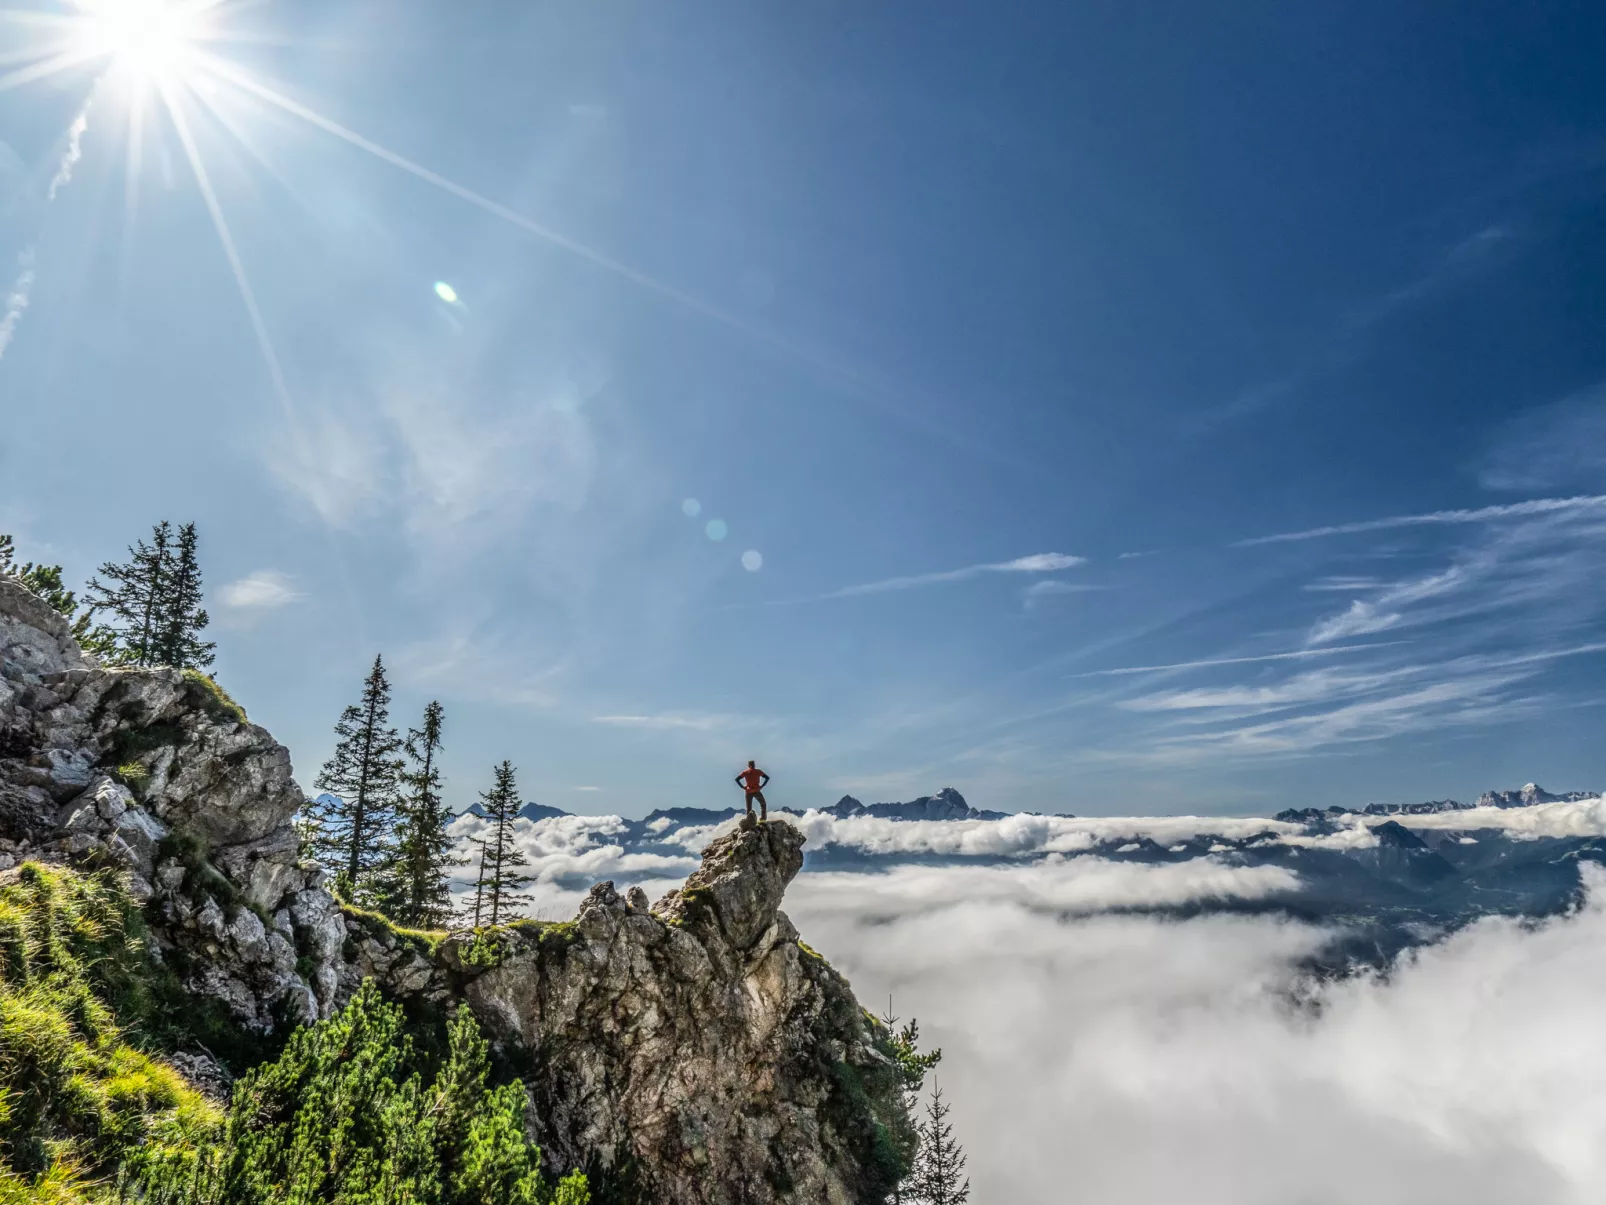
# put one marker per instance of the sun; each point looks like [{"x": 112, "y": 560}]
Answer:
[{"x": 149, "y": 39}]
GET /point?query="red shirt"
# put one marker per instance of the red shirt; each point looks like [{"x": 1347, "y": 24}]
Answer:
[{"x": 752, "y": 779}]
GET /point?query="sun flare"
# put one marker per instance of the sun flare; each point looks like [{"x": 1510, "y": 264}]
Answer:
[{"x": 150, "y": 39}]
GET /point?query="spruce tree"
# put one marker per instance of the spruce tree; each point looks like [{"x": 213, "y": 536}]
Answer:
[
  {"x": 479, "y": 884},
  {"x": 134, "y": 595},
  {"x": 180, "y": 616},
  {"x": 939, "y": 1169},
  {"x": 500, "y": 882},
  {"x": 363, "y": 773},
  {"x": 902, "y": 1045},
  {"x": 419, "y": 893}
]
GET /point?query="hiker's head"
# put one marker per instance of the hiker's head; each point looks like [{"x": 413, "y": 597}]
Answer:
[{"x": 749, "y": 765}]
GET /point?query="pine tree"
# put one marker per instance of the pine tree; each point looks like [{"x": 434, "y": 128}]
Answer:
[
  {"x": 134, "y": 598},
  {"x": 180, "y": 618},
  {"x": 419, "y": 892},
  {"x": 902, "y": 1046},
  {"x": 940, "y": 1166},
  {"x": 500, "y": 882},
  {"x": 479, "y": 884},
  {"x": 354, "y": 833}
]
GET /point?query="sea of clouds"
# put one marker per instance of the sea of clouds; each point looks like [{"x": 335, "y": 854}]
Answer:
[
  {"x": 1129, "y": 1060},
  {"x": 1098, "y": 1057}
]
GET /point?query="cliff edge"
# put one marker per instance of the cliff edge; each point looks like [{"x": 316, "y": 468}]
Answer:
[{"x": 688, "y": 1052}]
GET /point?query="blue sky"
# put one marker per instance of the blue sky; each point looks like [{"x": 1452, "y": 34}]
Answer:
[{"x": 995, "y": 345}]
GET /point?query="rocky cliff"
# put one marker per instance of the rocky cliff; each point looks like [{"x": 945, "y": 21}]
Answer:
[{"x": 690, "y": 1052}]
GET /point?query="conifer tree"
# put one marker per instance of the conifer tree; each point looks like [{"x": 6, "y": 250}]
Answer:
[
  {"x": 419, "y": 892},
  {"x": 354, "y": 833},
  {"x": 902, "y": 1046},
  {"x": 180, "y": 618},
  {"x": 134, "y": 596},
  {"x": 479, "y": 884},
  {"x": 500, "y": 882},
  {"x": 939, "y": 1169}
]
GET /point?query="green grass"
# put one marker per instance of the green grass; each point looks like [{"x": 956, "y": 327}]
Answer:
[
  {"x": 79, "y": 1093},
  {"x": 378, "y": 925},
  {"x": 134, "y": 776},
  {"x": 215, "y": 699},
  {"x": 550, "y": 935}
]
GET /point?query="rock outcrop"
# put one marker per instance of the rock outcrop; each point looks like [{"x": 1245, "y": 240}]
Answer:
[
  {"x": 694, "y": 1049},
  {"x": 690, "y": 1052},
  {"x": 159, "y": 773}
]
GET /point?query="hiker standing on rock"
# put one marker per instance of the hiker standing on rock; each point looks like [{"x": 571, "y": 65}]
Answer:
[{"x": 752, "y": 781}]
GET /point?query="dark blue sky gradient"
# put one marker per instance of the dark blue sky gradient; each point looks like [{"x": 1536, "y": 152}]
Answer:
[{"x": 956, "y": 287}]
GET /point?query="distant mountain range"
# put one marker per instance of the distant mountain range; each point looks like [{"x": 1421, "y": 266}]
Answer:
[
  {"x": 1382, "y": 877},
  {"x": 1528, "y": 796},
  {"x": 946, "y": 804}
]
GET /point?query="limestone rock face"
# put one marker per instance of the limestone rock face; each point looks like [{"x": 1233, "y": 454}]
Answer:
[
  {"x": 689, "y": 1052},
  {"x": 151, "y": 771},
  {"x": 695, "y": 1051}
]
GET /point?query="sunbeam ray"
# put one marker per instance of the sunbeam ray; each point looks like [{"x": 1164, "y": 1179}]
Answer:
[
  {"x": 843, "y": 375},
  {"x": 259, "y": 328},
  {"x": 241, "y": 80},
  {"x": 71, "y": 57}
]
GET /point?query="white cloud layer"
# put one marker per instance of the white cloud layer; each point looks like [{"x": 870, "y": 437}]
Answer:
[
  {"x": 1014, "y": 836},
  {"x": 1133, "y": 1061}
]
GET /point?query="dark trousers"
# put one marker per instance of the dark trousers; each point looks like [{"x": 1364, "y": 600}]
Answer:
[{"x": 758, "y": 795}]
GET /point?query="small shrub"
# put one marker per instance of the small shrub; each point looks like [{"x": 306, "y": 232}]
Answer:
[
  {"x": 351, "y": 1112},
  {"x": 215, "y": 699},
  {"x": 135, "y": 777}
]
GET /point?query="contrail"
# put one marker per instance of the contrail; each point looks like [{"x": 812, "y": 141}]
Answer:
[
  {"x": 75, "y": 150},
  {"x": 17, "y": 300},
  {"x": 21, "y": 295}
]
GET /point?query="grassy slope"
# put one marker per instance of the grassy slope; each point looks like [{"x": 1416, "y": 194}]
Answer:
[{"x": 80, "y": 1007}]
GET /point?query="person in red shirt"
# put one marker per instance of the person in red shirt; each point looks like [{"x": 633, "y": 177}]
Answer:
[{"x": 752, "y": 781}]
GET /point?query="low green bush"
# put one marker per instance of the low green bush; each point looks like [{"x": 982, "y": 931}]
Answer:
[
  {"x": 351, "y": 1113},
  {"x": 215, "y": 699}
]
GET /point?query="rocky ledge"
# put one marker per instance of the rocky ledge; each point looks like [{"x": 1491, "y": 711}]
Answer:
[
  {"x": 688, "y": 1052},
  {"x": 696, "y": 1046}
]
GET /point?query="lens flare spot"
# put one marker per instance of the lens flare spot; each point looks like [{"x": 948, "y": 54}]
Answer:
[
  {"x": 691, "y": 508},
  {"x": 445, "y": 292},
  {"x": 752, "y": 560},
  {"x": 717, "y": 529}
]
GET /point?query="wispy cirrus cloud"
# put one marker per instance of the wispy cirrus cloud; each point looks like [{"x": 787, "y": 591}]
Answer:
[
  {"x": 1040, "y": 562},
  {"x": 1209, "y": 662},
  {"x": 1387, "y": 610},
  {"x": 667, "y": 721},
  {"x": 1482, "y": 514},
  {"x": 1559, "y": 446},
  {"x": 1038, "y": 592},
  {"x": 262, "y": 590},
  {"x": 1309, "y": 712}
]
